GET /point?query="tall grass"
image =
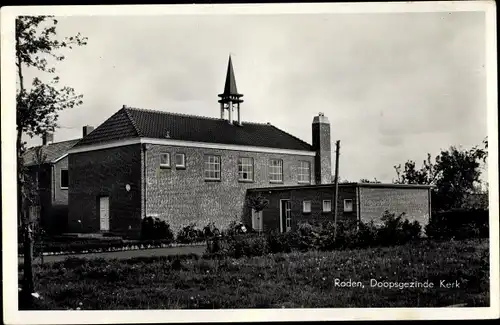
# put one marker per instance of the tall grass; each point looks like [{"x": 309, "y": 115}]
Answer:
[{"x": 294, "y": 279}]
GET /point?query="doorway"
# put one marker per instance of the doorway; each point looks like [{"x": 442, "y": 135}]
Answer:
[{"x": 285, "y": 215}]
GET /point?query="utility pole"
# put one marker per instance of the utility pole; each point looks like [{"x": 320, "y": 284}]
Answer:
[{"x": 337, "y": 148}]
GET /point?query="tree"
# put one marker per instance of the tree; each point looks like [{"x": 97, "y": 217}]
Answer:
[
  {"x": 367, "y": 181},
  {"x": 37, "y": 106},
  {"x": 258, "y": 203},
  {"x": 455, "y": 174}
]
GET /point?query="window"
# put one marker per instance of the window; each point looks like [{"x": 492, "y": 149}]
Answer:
[
  {"x": 306, "y": 206},
  {"x": 180, "y": 160},
  {"x": 276, "y": 170},
  {"x": 212, "y": 167},
  {"x": 347, "y": 205},
  {"x": 245, "y": 169},
  {"x": 304, "y": 172},
  {"x": 165, "y": 159},
  {"x": 327, "y": 206},
  {"x": 64, "y": 178}
]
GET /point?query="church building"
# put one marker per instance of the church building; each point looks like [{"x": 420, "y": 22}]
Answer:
[{"x": 184, "y": 168}]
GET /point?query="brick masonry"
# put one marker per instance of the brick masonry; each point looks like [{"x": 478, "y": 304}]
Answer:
[
  {"x": 367, "y": 203},
  {"x": 321, "y": 143},
  {"x": 182, "y": 196},
  {"x": 271, "y": 214},
  {"x": 53, "y": 199},
  {"x": 414, "y": 202},
  {"x": 105, "y": 172}
]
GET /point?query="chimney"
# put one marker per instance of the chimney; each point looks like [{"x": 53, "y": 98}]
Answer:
[
  {"x": 87, "y": 129},
  {"x": 321, "y": 144},
  {"x": 47, "y": 138}
]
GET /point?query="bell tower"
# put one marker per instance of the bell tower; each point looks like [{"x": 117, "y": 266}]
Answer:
[{"x": 230, "y": 99}]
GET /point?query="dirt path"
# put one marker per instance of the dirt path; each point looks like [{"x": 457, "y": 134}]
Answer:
[{"x": 126, "y": 254}]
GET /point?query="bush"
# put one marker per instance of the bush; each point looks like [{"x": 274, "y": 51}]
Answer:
[
  {"x": 282, "y": 242},
  {"x": 367, "y": 235},
  {"x": 210, "y": 230},
  {"x": 395, "y": 231},
  {"x": 239, "y": 246},
  {"x": 235, "y": 228},
  {"x": 154, "y": 228},
  {"x": 190, "y": 234},
  {"x": 459, "y": 224}
]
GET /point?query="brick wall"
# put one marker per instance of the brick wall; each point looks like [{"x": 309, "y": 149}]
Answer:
[
  {"x": 321, "y": 142},
  {"x": 181, "y": 196},
  {"x": 271, "y": 214},
  {"x": 413, "y": 201},
  {"x": 59, "y": 195},
  {"x": 105, "y": 173}
]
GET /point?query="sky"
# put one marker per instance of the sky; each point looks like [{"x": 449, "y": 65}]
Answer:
[{"x": 394, "y": 86}]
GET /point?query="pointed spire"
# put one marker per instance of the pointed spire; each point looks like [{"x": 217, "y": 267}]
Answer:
[
  {"x": 230, "y": 90},
  {"x": 230, "y": 86}
]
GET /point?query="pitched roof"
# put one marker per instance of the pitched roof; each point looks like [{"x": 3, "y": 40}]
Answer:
[
  {"x": 49, "y": 153},
  {"x": 133, "y": 122}
]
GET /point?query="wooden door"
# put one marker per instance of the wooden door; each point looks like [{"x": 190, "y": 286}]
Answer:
[{"x": 104, "y": 213}]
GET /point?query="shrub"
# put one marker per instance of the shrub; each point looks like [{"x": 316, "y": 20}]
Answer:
[
  {"x": 367, "y": 235},
  {"x": 154, "y": 228},
  {"x": 411, "y": 230},
  {"x": 282, "y": 242},
  {"x": 235, "y": 228},
  {"x": 396, "y": 231},
  {"x": 190, "y": 234},
  {"x": 458, "y": 223},
  {"x": 307, "y": 236},
  {"x": 210, "y": 230},
  {"x": 239, "y": 246}
]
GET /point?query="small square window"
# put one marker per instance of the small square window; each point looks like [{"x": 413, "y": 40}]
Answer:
[
  {"x": 306, "y": 206},
  {"x": 180, "y": 160},
  {"x": 165, "y": 159},
  {"x": 347, "y": 205},
  {"x": 327, "y": 206}
]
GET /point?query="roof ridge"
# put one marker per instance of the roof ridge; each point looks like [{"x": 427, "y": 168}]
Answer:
[
  {"x": 293, "y": 136},
  {"x": 185, "y": 115},
  {"x": 53, "y": 143},
  {"x": 139, "y": 133}
]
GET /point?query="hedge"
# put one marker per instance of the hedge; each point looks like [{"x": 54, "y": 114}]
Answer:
[{"x": 459, "y": 224}]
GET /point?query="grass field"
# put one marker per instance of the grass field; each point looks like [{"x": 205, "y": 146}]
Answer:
[{"x": 292, "y": 280}]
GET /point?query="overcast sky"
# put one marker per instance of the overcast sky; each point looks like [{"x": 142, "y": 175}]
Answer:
[{"x": 394, "y": 86}]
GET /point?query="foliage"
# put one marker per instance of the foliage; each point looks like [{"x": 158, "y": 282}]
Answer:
[
  {"x": 367, "y": 181},
  {"x": 281, "y": 242},
  {"x": 235, "y": 228},
  {"x": 190, "y": 234},
  {"x": 258, "y": 203},
  {"x": 154, "y": 228},
  {"x": 38, "y": 107},
  {"x": 294, "y": 280},
  {"x": 455, "y": 174},
  {"x": 396, "y": 230},
  {"x": 459, "y": 224},
  {"x": 93, "y": 246},
  {"x": 239, "y": 246},
  {"x": 210, "y": 230}
]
